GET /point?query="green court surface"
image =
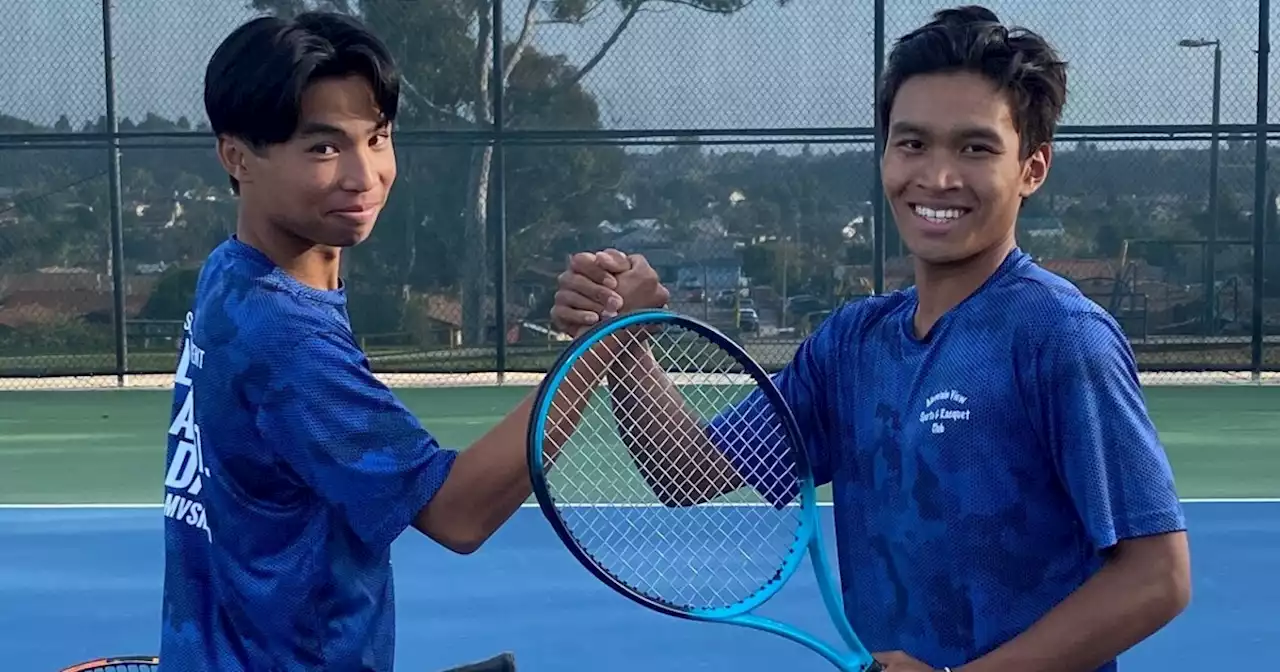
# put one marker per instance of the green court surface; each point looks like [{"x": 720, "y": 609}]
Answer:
[{"x": 65, "y": 447}]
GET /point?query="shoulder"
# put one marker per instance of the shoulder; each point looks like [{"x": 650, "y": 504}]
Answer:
[
  {"x": 1053, "y": 315},
  {"x": 1047, "y": 329},
  {"x": 1065, "y": 339},
  {"x": 853, "y": 320},
  {"x": 248, "y": 311}
]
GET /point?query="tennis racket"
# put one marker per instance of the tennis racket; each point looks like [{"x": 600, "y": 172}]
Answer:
[
  {"x": 670, "y": 466},
  {"x": 117, "y": 664}
]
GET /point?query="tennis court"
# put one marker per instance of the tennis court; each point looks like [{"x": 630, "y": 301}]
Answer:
[{"x": 81, "y": 548}]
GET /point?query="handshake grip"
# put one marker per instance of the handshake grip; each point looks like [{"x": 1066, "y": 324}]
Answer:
[{"x": 598, "y": 286}]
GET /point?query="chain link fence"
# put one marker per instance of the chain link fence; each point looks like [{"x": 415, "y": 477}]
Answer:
[{"x": 731, "y": 142}]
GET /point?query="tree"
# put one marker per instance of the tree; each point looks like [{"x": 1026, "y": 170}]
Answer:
[{"x": 445, "y": 51}]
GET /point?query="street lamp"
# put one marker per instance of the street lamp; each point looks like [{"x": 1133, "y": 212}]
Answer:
[{"x": 1210, "y": 269}]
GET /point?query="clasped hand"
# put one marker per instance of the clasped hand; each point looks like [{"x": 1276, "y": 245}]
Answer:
[{"x": 599, "y": 285}]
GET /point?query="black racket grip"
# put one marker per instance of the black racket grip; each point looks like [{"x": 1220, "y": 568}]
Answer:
[
  {"x": 505, "y": 662},
  {"x": 875, "y": 667}
]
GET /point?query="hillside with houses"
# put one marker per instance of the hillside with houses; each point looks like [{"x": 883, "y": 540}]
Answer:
[{"x": 761, "y": 241}]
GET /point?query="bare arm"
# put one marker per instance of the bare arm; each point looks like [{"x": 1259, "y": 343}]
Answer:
[
  {"x": 490, "y": 479},
  {"x": 668, "y": 442},
  {"x": 1145, "y": 583}
]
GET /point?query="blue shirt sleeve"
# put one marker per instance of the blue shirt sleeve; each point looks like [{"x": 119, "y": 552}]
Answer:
[
  {"x": 1104, "y": 444},
  {"x": 750, "y": 435},
  {"x": 350, "y": 440}
]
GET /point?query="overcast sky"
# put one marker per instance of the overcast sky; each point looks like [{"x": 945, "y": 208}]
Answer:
[{"x": 806, "y": 65}]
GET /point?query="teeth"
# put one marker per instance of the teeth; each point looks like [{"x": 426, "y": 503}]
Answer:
[{"x": 939, "y": 215}]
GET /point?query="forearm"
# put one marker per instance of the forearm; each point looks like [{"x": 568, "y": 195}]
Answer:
[
  {"x": 1135, "y": 594},
  {"x": 487, "y": 484},
  {"x": 666, "y": 440},
  {"x": 490, "y": 479}
]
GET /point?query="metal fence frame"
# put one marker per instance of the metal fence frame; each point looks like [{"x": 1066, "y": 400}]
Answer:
[{"x": 500, "y": 136}]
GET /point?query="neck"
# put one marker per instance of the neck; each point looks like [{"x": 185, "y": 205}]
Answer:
[
  {"x": 311, "y": 264},
  {"x": 941, "y": 287}
]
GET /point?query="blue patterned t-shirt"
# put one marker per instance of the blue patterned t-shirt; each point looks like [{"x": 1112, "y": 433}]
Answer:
[{"x": 290, "y": 469}]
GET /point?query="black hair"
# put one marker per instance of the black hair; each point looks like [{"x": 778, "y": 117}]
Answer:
[
  {"x": 971, "y": 39},
  {"x": 255, "y": 80}
]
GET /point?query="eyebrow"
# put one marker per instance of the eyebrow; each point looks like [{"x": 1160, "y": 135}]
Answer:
[
  {"x": 312, "y": 128},
  {"x": 317, "y": 128},
  {"x": 964, "y": 132}
]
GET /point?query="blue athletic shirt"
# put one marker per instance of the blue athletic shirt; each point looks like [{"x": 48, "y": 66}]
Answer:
[
  {"x": 290, "y": 469},
  {"x": 978, "y": 473}
]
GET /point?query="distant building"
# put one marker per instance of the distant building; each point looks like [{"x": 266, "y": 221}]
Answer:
[
  {"x": 1041, "y": 227},
  {"x": 700, "y": 255}
]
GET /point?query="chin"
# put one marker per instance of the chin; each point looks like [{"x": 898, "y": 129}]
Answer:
[
  {"x": 349, "y": 241},
  {"x": 347, "y": 236},
  {"x": 942, "y": 259},
  {"x": 936, "y": 252}
]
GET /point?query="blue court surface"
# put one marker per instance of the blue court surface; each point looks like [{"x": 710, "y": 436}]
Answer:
[{"x": 76, "y": 583}]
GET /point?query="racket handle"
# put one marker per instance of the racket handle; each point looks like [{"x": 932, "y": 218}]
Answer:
[
  {"x": 875, "y": 666},
  {"x": 505, "y": 662}
]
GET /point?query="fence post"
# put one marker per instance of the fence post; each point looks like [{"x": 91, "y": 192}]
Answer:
[
  {"x": 1260, "y": 191},
  {"x": 114, "y": 197},
  {"x": 498, "y": 193},
  {"x": 878, "y": 210}
]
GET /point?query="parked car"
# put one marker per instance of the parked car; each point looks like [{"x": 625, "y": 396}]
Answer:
[{"x": 692, "y": 291}]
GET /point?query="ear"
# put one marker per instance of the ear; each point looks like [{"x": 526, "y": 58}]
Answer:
[
  {"x": 234, "y": 157},
  {"x": 1036, "y": 169}
]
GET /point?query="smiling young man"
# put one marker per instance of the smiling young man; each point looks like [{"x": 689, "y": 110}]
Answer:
[
  {"x": 291, "y": 469},
  {"x": 1002, "y": 500}
]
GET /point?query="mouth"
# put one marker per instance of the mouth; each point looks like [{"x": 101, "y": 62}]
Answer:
[
  {"x": 938, "y": 220},
  {"x": 359, "y": 213}
]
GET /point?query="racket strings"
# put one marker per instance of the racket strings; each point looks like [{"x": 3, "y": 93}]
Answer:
[
  {"x": 686, "y": 357},
  {"x": 705, "y": 556}
]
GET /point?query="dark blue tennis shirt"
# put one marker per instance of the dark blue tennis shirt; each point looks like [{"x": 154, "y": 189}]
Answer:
[
  {"x": 979, "y": 473},
  {"x": 290, "y": 470}
]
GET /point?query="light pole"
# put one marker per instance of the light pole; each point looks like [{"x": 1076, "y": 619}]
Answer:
[{"x": 1210, "y": 267}]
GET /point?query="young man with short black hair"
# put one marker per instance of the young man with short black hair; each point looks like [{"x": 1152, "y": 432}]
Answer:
[
  {"x": 1002, "y": 500},
  {"x": 291, "y": 468}
]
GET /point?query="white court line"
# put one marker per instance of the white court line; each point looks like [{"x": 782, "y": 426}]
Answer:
[
  {"x": 532, "y": 505},
  {"x": 104, "y": 505},
  {"x": 164, "y": 381},
  {"x": 1231, "y": 500}
]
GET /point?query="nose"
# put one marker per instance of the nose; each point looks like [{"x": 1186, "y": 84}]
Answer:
[
  {"x": 938, "y": 172},
  {"x": 358, "y": 171}
]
